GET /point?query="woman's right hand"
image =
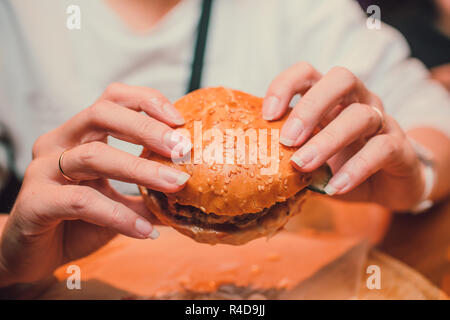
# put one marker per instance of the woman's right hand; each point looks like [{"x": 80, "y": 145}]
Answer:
[{"x": 55, "y": 220}]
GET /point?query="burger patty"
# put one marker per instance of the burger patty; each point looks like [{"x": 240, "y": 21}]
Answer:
[{"x": 194, "y": 216}]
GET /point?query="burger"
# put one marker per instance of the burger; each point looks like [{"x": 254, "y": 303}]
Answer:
[{"x": 241, "y": 191}]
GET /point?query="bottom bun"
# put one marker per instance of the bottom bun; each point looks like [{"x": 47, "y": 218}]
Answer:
[{"x": 266, "y": 225}]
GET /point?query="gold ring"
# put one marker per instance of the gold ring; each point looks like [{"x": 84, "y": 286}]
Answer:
[
  {"x": 381, "y": 116},
  {"x": 61, "y": 169}
]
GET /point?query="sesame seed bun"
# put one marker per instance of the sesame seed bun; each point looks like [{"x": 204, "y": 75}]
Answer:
[{"x": 224, "y": 191}]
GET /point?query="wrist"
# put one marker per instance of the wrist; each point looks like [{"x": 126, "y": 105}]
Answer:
[{"x": 427, "y": 174}]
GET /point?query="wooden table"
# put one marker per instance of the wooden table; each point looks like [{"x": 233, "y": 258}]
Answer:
[
  {"x": 398, "y": 282},
  {"x": 423, "y": 243},
  {"x": 420, "y": 242}
]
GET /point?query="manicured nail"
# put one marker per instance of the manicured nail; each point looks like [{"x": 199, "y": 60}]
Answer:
[
  {"x": 177, "y": 142},
  {"x": 270, "y": 108},
  {"x": 143, "y": 227},
  {"x": 337, "y": 183},
  {"x": 154, "y": 235},
  {"x": 305, "y": 155},
  {"x": 173, "y": 176},
  {"x": 173, "y": 113},
  {"x": 291, "y": 131}
]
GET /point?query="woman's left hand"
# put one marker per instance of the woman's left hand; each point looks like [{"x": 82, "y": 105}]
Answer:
[{"x": 369, "y": 154}]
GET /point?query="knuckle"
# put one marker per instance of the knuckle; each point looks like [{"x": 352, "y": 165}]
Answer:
[
  {"x": 146, "y": 130},
  {"x": 116, "y": 215},
  {"x": 329, "y": 138},
  {"x": 371, "y": 116},
  {"x": 90, "y": 151},
  {"x": 113, "y": 88},
  {"x": 152, "y": 92},
  {"x": 135, "y": 168},
  {"x": 95, "y": 112},
  {"x": 78, "y": 199},
  {"x": 39, "y": 145},
  {"x": 307, "y": 105},
  {"x": 388, "y": 144},
  {"x": 391, "y": 146},
  {"x": 345, "y": 75},
  {"x": 367, "y": 116},
  {"x": 305, "y": 68},
  {"x": 283, "y": 81},
  {"x": 361, "y": 164}
]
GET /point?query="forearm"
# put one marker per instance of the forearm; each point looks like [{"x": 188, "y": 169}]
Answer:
[
  {"x": 439, "y": 144},
  {"x": 3, "y": 219},
  {"x": 4, "y": 277},
  {"x": 9, "y": 288}
]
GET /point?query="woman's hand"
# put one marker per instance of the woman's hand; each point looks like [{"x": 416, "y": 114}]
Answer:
[
  {"x": 55, "y": 220},
  {"x": 369, "y": 154}
]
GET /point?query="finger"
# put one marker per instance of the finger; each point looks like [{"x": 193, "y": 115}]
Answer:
[
  {"x": 107, "y": 118},
  {"x": 135, "y": 203},
  {"x": 296, "y": 79},
  {"x": 149, "y": 100},
  {"x": 353, "y": 123},
  {"x": 72, "y": 202},
  {"x": 328, "y": 117},
  {"x": 379, "y": 152},
  {"x": 96, "y": 160},
  {"x": 338, "y": 86}
]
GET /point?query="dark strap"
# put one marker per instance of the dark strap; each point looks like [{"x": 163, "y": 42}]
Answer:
[{"x": 199, "y": 53}]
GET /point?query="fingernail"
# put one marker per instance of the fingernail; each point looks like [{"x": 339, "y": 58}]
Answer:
[
  {"x": 270, "y": 108},
  {"x": 173, "y": 113},
  {"x": 304, "y": 156},
  {"x": 143, "y": 227},
  {"x": 337, "y": 183},
  {"x": 177, "y": 142},
  {"x": 173, "y": 176},
  {"x": 154, "y": 235},
  {"x": 291, "y": 131}
]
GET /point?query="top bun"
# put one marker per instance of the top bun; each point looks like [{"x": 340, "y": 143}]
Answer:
[{"x": 232, "y": 189}]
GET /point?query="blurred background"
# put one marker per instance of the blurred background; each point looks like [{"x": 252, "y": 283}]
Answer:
[
  {"x": 422, "y": 241},
  {"x": 426, "y": 26}
]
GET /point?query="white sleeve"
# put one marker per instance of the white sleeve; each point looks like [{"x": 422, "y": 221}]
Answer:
[{"x": 334, "y": 33}]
